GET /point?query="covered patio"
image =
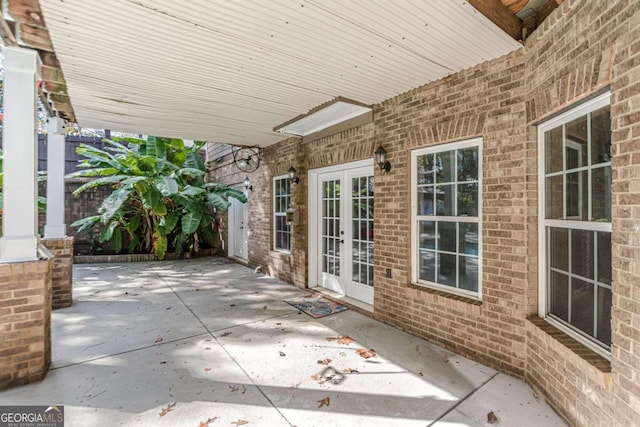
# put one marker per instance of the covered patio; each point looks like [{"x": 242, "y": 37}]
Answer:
[{"x": 216, "y": 339}]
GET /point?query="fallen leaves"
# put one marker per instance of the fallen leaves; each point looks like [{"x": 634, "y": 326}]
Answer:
[
  {"x": 366, "y": 354},
  {"x": 224, "y": 334},
  {"x": 158, "y": 340},
  {"x": 342, "y": 339},
  {"x": 168, "y": 409},
  {"x": 206, "y": 423},
  {"x": 350, "y": 371},
  {"x": 323, "y": 402},
  {"x": 207, "y": 369},
  {"x": 316, "y": 377},
  {"x": 492, "y": 418},
  {"x": 324, "y": 361},
  {"x": 282, "y": 354},
  {"x": 240, "y": 388},
  {"x": 240, "y": 422}
]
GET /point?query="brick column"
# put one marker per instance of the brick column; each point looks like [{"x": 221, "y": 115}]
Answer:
[
  {"x": 25, "y": 322},
  {"x": 62, "y": 272}
]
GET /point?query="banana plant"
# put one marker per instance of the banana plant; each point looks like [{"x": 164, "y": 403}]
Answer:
[{"x": 160, "y": 200}]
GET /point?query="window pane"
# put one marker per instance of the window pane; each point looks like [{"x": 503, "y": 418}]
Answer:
[
  {"x": 582, "y": 310},
  {"x": 370, "y": 208},
  {"x": 355, "y": 273},
  {"x": 604, "y": 258},
  {"x": 444, "y": 200},
  {"x": 559, "y": 248},
  {"x": 559, "y": 296},
  {"x": 468, "y": 164},
  {"x": 553, "y": 150},
  {"x": 447, "y": 269},
  {"x": 468, "y": 238},
  {"x": 427, "y": 265},
  {"x": 425, "y": 169},
  {"x": 370, "y": 270},
  {"x": 576, "y": 143},
  {"x": 554, "y": 197},
  {"x": 370, "y": 187},
  {"x": 577, "y": 193},
  {"x": 601, "y": 135},
  {"x": 468, "y": 273},
  {"x": 468, "y": 200},
  {"x": 427, "y": 235},
  {"x": 601, "y": 194},
  {"x": 582, "y": 253},
  {"x": 425, "y": 200},
  {"x": 447, "y": 236},
  {"x": 445, "y": 162},
  {"x": 604, "y": 315}
]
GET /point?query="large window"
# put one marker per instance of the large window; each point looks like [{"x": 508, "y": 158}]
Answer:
[
  {"x": 445, "y": 217},
  {"x": 281, "y": 200},
  {"x": 575, "y": 233}
]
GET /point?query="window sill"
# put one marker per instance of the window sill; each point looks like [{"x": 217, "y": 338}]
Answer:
[
  {"x": 582, "y": 351},
  {"x": 281, "y": 252},
  {"x": 445, "y": 294}
]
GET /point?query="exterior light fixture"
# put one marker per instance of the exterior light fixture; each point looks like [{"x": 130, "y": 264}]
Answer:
[
  {"x": 247, "y": 184},
  {"x": 293, "y": 176},
  {"x": 381, "y": 159}
]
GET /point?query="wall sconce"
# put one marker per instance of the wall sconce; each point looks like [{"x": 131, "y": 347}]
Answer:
[
  {"x": 247, "y": 184},
  {"x": 381, "y": 159},
  {"x": 293, "y": 176}
]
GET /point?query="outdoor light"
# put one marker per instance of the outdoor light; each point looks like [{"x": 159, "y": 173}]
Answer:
[
  {"x": 247, "y": 184},
  {"x": 381, "y": 159},
  {"x": 292, "y": 175}
]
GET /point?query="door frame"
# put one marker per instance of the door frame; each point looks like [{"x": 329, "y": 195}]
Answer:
[
  {"x": 314, "y": 210},
  {"x": 231, "y": 222}
]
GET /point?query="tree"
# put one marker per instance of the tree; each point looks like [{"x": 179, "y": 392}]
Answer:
[{"x": 160, "y": 200}]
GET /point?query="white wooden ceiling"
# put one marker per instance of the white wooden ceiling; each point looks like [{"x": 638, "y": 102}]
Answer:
[{"x": 230, "y": 71}]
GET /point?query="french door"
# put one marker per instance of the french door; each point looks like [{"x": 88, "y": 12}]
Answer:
[{"x": 343, "y": 230}]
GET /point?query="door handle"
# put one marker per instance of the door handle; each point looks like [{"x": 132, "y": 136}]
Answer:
[{"x": 341, "y": 240}]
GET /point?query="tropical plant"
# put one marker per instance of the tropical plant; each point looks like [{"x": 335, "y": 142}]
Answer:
[{"x": 160, "y": 200}]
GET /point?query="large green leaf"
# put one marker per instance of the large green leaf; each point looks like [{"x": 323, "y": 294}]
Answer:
[
  {"x": 160, "y": 244},
  {"x": 113, "y": 203},
  {"x": 116, "y": 240},
  {"x": 166, "y": 185},
  {"x": 190, "y": 190},
  {"x": 171, "y": 221},
  {"x": 98, "y": 182},
  {"x": 218, "y": 201},
  {"x": 107, "y": 232},
  {"x": 194, "y": 161},
  {"x": 134, "y": 223},
  {"x": 190, "y": 222},
  {"x": 156, "y": 147},
  {"x": 86, "y": 223}
]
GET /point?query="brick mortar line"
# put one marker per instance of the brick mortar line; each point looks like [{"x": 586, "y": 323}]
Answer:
[
  {"x": 464, "y": 399},
  {"x": 229, "y": 354}
]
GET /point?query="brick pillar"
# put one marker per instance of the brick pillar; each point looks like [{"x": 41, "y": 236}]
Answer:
[
  {"x": 25, "y": 321},
  {"x": 62, "y": 273}
]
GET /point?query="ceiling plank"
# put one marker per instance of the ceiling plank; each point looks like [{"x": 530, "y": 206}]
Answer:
[
  {"x": 35, "y": 38},
  {"x": 500, "y": 15}
]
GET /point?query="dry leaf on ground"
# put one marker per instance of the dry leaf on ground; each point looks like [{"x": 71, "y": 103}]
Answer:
[
  {"x": 350, "y": 371},
  {"x": 316, "y": 377},
  {"x": 324, "y": 361},
  {"x": 342, "y": 339},
  {"x": 206, "y": 423},
  {"x": 166, "y": 410},
  {"x": 492, "y": 418},
  {"x": 366, "y": 353},
  {"x": 224, "y": 334},
  {"x": 207, "y": 369},
  {"x": 239, "y": 388},
  {"x": 421, "y": 374},
  {"x": 158, "y": 340},
  {"x": 240, "y": 422},
  {"x": 323, "y": 402}
]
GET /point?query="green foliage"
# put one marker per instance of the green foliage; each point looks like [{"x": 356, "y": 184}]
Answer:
[{"x": 159, "y": 202}]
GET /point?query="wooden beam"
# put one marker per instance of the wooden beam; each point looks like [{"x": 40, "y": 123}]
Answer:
[
  {"x": 51, "y": 74},
  {"x": 26, "y": 12},
  {"x": 35, "y": 38},
  {"x": 500, "y": 15},
  {"x": 546, "y": 10},
  {"x": 53, "y": 87},
  {"x": 49, "y": 59}
]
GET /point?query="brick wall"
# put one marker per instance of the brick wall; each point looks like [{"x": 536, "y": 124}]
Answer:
[
  {"x": 25, "y": 322},
  {"x": 583, "y": 48},
  {"x": 62, "y": 271}
]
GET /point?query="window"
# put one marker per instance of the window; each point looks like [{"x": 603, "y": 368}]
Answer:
[
  {"x": 281, "y": 200},
  {"x": 575, "y": 233},
  {"x": 445, "y": 217}
]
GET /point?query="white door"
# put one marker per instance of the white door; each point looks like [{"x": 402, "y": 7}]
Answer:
[
  {"x": 343, "y": 230},
  {"x": 238, "y": 227}
]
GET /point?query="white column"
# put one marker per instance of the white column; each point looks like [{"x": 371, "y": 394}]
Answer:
[
  {"x": 20, "y": 145},
  {"x": 55, "y": 227}
]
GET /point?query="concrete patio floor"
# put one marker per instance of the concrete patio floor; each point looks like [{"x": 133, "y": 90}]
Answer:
[{"x": 217, "y": 339}]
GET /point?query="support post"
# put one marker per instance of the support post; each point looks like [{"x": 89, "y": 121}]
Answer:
[
  {"x": 55, "y": 227},
  {"x": 19, "y": 240}
]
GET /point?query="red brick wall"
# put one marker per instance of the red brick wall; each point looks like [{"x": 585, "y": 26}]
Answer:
[
  {"x": 25, "y": 322},
  {"x": 62, "y": 271},
  {"x": 583, "y": 48}
]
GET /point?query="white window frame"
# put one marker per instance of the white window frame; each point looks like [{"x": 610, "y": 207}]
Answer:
[
  {"x": 581, "y": 110},
  {"x": 415, "y": 252},
  {"x": 279, "y": 214}
]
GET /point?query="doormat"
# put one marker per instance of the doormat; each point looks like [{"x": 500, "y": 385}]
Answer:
[{"x": 316, "y": 305}]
